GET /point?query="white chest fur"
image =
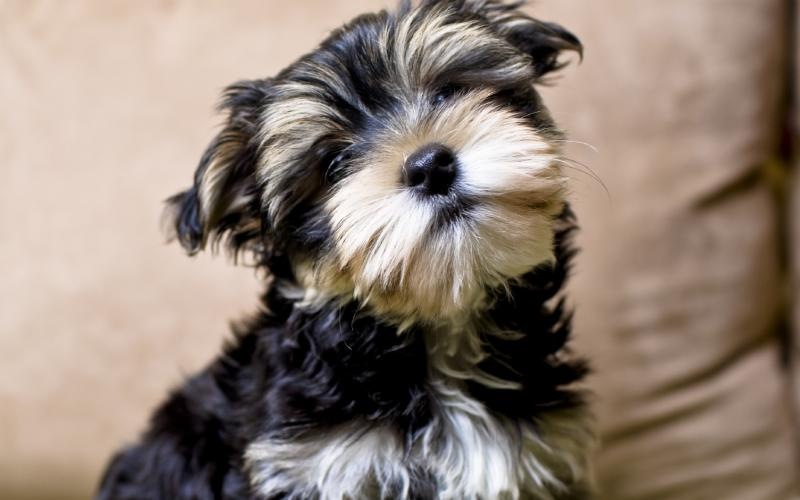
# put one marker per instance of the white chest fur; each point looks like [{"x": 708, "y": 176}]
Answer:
[{"x": 472, "y": 453}]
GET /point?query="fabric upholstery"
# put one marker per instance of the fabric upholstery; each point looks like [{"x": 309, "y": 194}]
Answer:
[{"x": 680, "y": 288}]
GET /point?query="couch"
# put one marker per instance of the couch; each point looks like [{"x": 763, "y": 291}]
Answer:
[{"x": 683, "y": 290}]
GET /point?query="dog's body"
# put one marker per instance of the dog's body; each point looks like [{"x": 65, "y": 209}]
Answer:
[{"x": 401, "y": 186}]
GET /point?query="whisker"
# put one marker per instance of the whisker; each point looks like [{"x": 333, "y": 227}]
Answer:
[
  {"x": 584, "y": 169},
  {"x": 580, "y": 143},
  {"x": 581, "y": 164}
]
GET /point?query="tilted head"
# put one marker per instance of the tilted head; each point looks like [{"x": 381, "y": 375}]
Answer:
[{"x": 408, "y": 162}]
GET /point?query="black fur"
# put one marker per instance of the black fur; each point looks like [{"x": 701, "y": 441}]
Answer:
[
  {"x": 293, "y": 373},
  {"x": 538, "y": 360},
  {"x": 236, "y": 147}
]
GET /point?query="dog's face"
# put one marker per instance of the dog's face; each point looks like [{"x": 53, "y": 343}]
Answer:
[{"x": 408, "y": 162}]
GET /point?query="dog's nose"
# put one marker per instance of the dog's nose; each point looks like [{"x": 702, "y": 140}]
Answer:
[{"x": 431, "y": 168}]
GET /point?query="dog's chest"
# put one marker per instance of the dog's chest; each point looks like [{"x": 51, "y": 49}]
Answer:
[{"x": 465, "y": 452}]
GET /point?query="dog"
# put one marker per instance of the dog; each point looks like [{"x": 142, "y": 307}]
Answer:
[{"x": 402, "y": 187}]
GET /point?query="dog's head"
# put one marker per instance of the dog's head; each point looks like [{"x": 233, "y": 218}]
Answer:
[{"x": 407, "y": 162}]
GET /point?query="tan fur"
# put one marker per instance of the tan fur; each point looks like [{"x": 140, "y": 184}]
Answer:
[
  {"x": 388, "y": 252},
  {"x": 386, "y": 240},
  {"x": 426, "y": 46}
]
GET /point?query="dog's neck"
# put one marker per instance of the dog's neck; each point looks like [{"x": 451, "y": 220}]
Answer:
[
  {"x": 298, "y": 284},
  {"x": 505, "y": 344}
]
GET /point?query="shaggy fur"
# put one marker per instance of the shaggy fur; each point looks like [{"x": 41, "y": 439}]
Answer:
[{"x": 411, "y": 343}]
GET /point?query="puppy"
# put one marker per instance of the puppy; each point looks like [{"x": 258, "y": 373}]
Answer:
[{"x": 401, "y": 186}]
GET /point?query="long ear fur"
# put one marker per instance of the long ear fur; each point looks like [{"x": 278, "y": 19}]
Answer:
[
  {"x": 223, "y": 203},
  {"x": 544, "y": 42}
]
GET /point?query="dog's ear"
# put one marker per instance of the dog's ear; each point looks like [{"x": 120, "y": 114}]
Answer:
[
  {"x": 223, "y": 203},
  {"x": 544, "y": 42}
]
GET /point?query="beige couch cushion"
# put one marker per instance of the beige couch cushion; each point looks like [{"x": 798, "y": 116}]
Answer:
[
  {"x": 105, "y": 108},
  {"x": 679, "y": 289},
  {"x": 792, "y": 207}
]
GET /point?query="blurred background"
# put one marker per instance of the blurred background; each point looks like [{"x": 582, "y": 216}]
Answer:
[{"x": 683, "y": 288}]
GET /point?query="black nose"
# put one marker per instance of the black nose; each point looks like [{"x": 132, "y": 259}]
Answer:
[{"x": 431, "y": 168}]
